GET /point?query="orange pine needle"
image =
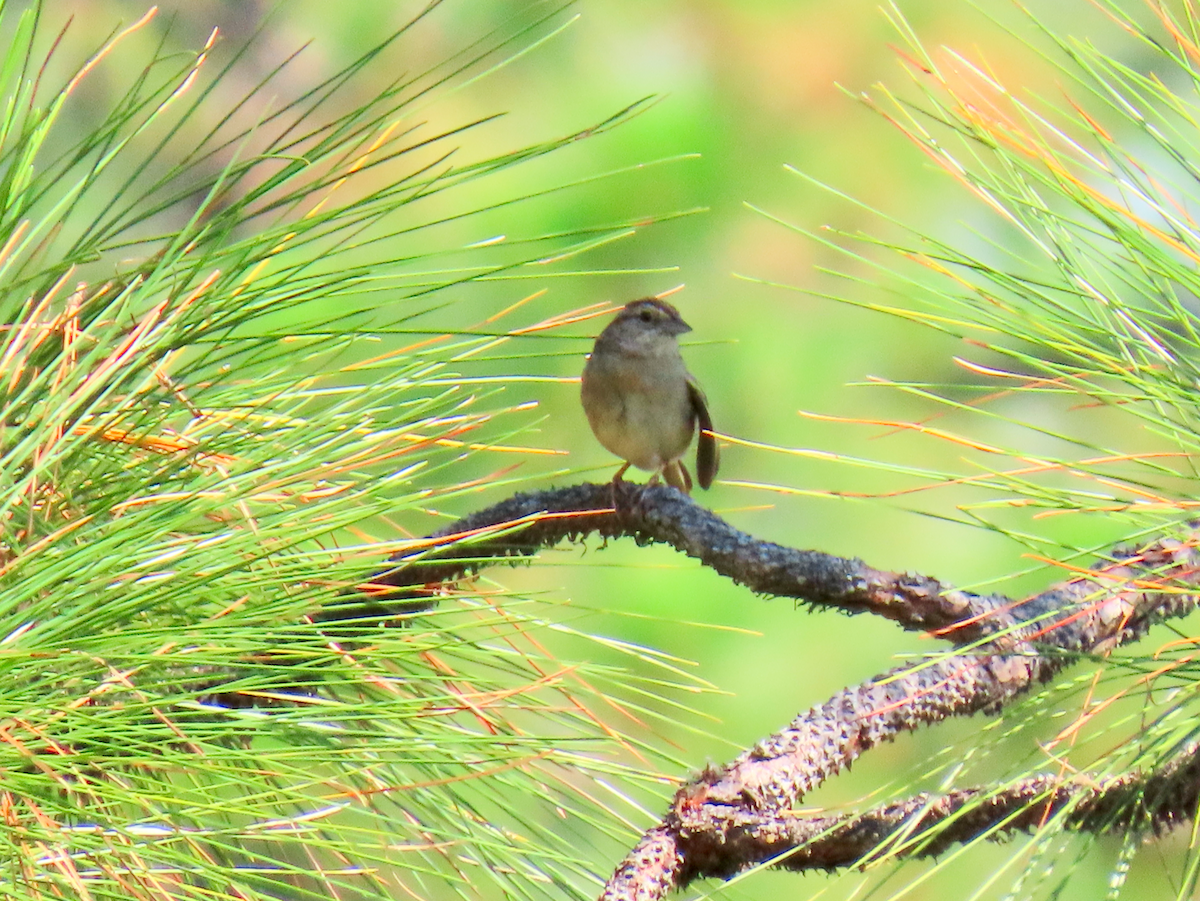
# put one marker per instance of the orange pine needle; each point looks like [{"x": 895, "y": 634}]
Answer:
[
  {"x": 160, "y": 444},
  {"x": 108, "y": 48},
  {"x": 905, "y": 426},
  {"x": 17, "y": 234}
]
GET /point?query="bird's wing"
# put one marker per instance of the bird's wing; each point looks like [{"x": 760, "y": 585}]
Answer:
[{"x": 707, "y": 457}]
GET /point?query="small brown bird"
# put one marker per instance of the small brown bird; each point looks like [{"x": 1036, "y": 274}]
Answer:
[{"x": 641, "y": 401}]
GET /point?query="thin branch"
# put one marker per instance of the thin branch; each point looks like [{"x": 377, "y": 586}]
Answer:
[
  {"x": 525, "y": 523},
  {"x": 926, "y": 825}
]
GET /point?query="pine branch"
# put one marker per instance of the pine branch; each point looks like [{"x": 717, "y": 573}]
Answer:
[
  {"x": 924, "y": 825},
  {"x": 527, "y": 522},
  {"x": 730, "y": 818}
]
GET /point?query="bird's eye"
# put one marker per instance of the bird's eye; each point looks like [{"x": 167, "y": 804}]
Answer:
[{"x": 646, "y": 316}]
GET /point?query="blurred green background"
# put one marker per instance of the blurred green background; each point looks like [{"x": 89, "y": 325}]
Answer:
[{"x": 747, "y": 87}]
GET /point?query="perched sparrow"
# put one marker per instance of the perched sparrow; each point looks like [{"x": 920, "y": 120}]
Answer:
[{"x": 641, "y": 401}]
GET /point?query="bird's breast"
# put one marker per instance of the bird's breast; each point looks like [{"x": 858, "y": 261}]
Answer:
[{"x": 638, "y": 408}]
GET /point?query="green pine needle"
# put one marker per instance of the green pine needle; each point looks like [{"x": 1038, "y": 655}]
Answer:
[{"x": 219, "y": 369}]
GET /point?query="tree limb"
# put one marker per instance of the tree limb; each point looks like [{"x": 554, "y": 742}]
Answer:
[
  {"x": 926, "y": 825},
  {"x": 1002, "y": 647}
]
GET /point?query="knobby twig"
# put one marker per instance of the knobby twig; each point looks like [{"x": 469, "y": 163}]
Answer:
[
  {"x": 926, "y": 825},
  {"x": 740, "y": 815}
]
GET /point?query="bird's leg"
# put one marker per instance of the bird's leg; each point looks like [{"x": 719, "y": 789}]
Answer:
[
  {"x": 677, "y": 476},
  {"x": 616, "y": 481}
]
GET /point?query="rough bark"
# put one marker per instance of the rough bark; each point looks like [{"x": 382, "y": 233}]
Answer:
[{"x": 740, "y": 815}]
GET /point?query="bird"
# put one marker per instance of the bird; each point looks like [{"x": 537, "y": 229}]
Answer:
[{"x": 640, "y": 400}]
